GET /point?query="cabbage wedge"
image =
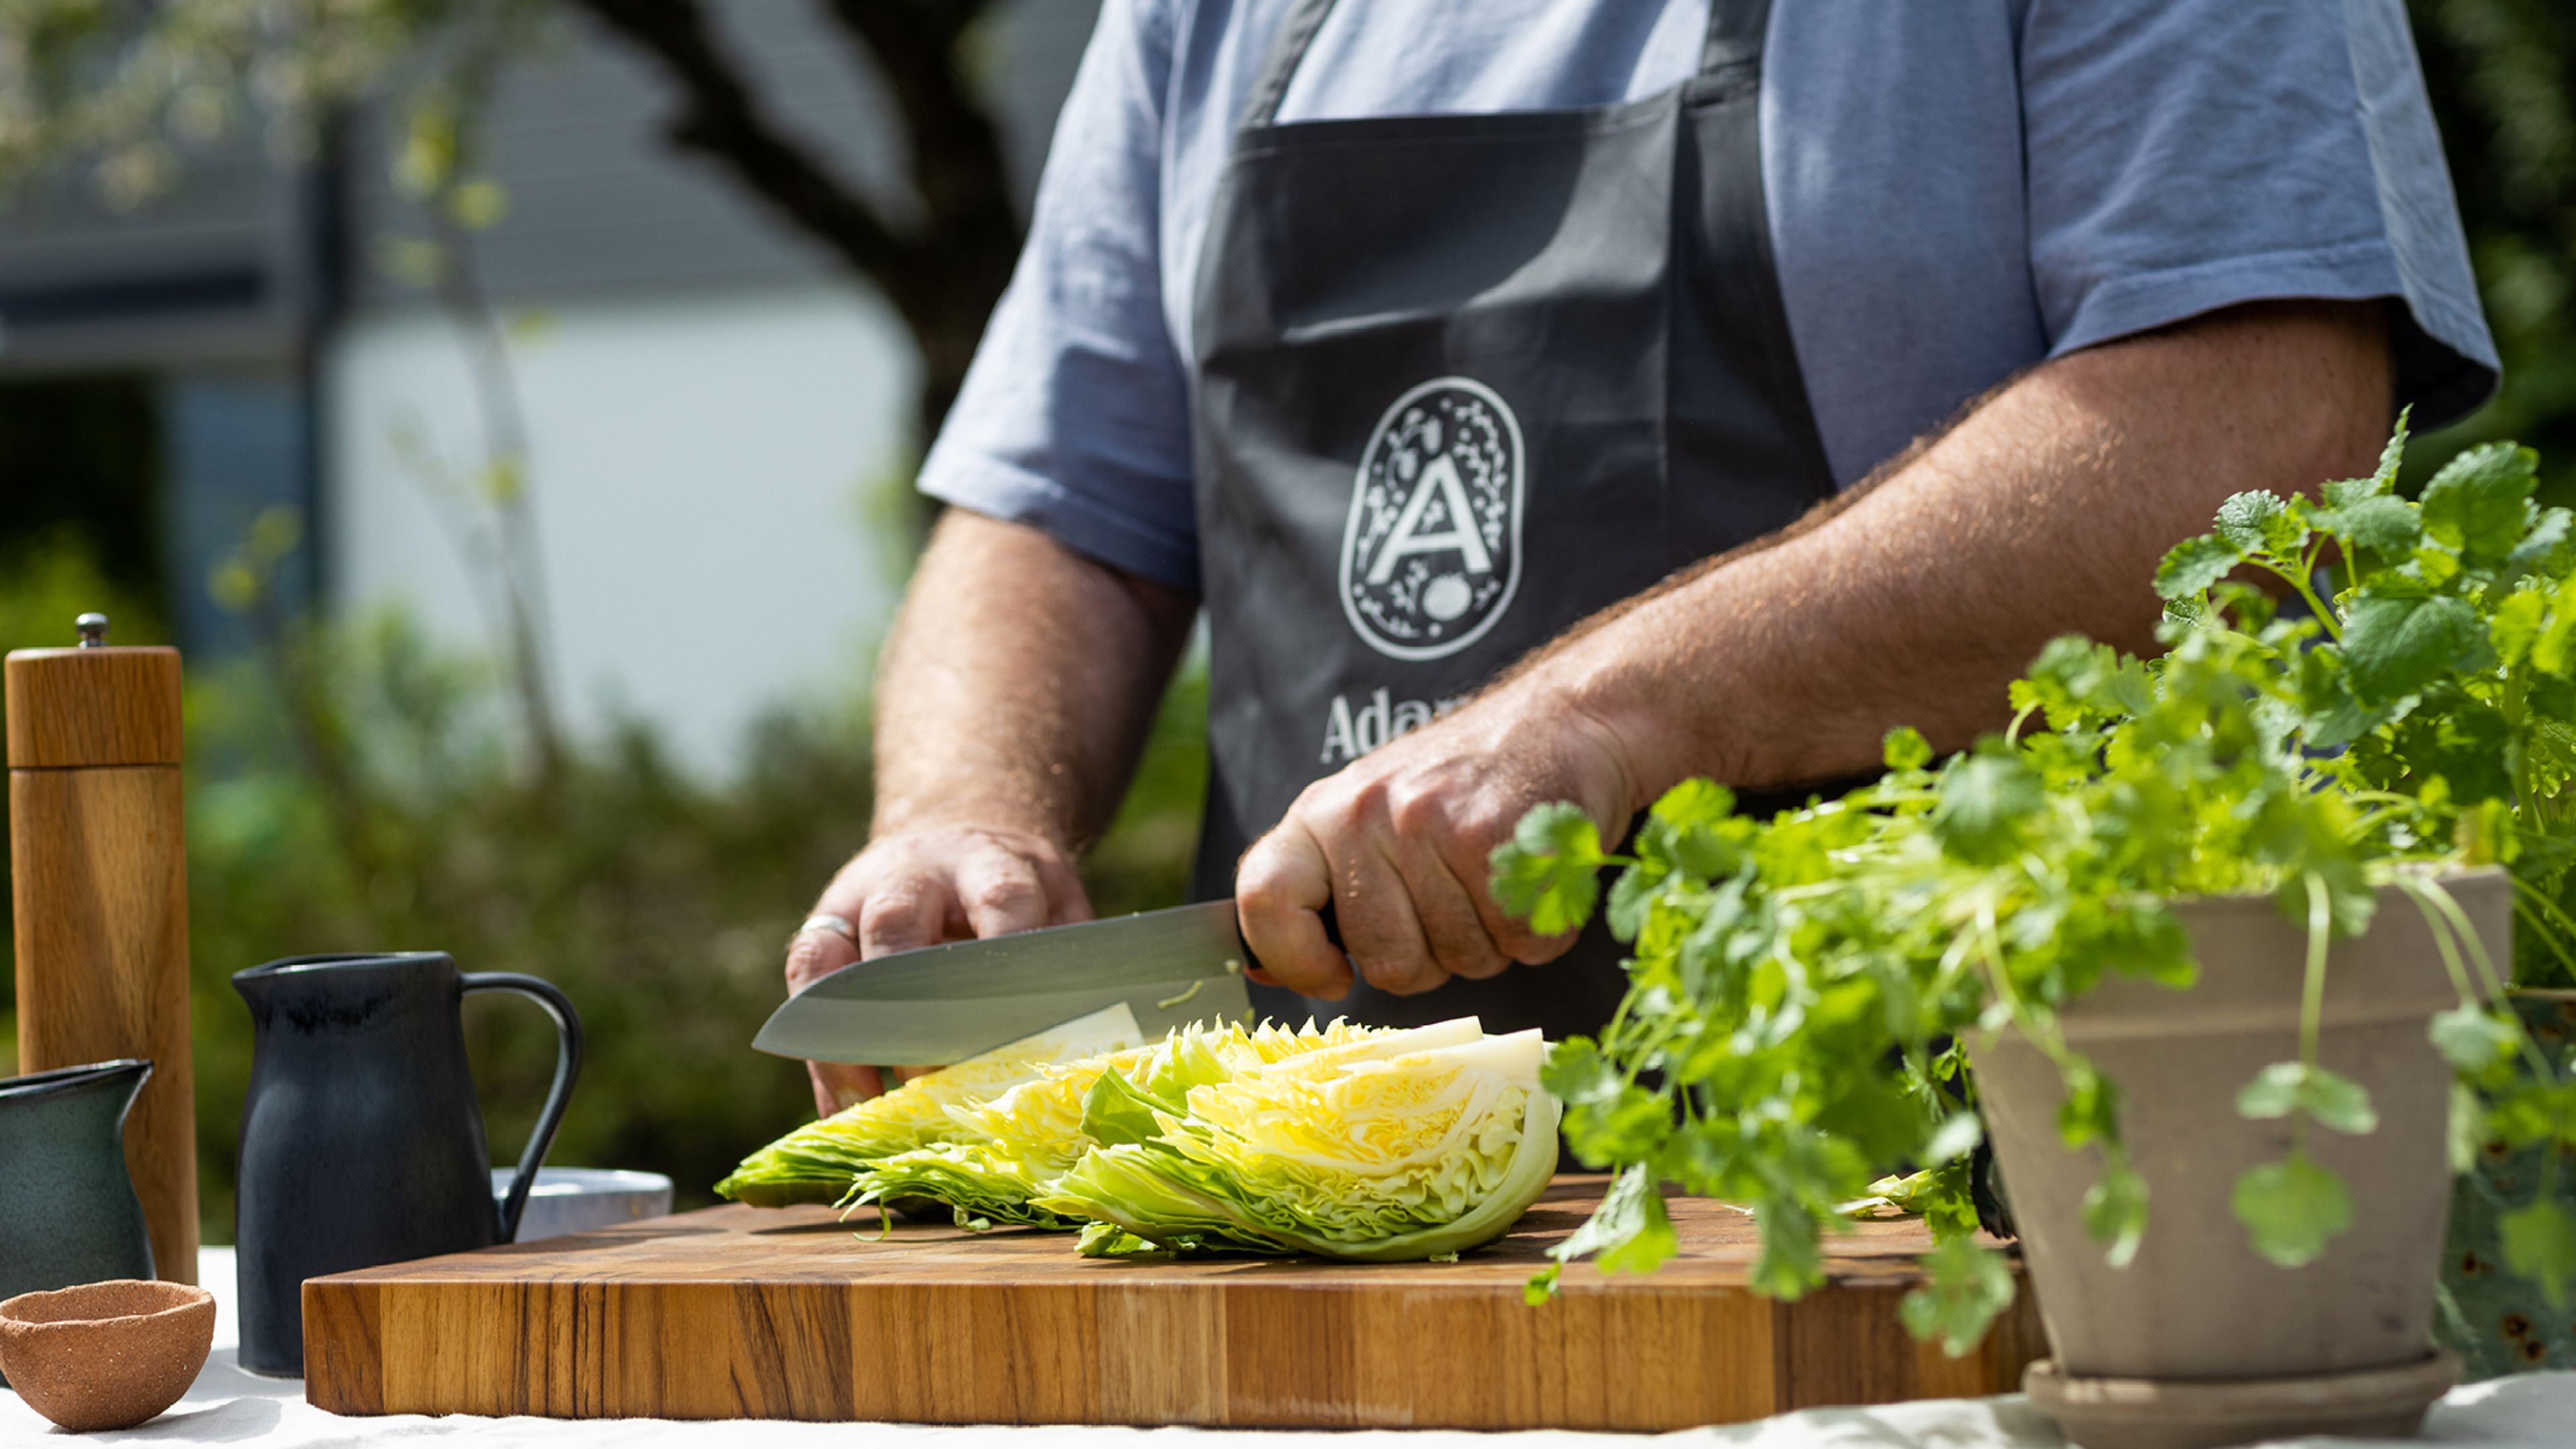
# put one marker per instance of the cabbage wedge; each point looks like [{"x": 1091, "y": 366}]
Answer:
[
  {"x": 1392, "y": 1147},
  {"x": 820, "y": 1162},
  {"x": 1006, "y": 1151}
]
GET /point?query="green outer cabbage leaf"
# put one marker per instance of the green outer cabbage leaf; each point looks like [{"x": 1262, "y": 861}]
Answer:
[{"x": 982, "y": 1186}]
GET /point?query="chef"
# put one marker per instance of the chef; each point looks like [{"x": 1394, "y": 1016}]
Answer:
[{"x": 1557, "y": 399}]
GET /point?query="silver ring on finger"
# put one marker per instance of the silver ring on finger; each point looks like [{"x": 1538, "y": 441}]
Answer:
[{"x": 827, "y": 923}]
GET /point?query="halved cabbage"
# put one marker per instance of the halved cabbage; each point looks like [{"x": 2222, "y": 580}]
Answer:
[
  {"x": 820, "y": 1161},
  {"x": 1009, "y": 1148},
  {"x": 1398, "y": 1146}
]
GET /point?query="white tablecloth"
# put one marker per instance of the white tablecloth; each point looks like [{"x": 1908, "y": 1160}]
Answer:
[{"x": 229, "y": 1406}]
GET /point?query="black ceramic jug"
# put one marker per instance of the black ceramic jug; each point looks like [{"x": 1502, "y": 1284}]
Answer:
[
  {"x": 361, "y": 1142},
  {"x": 67, "y": 1208}
]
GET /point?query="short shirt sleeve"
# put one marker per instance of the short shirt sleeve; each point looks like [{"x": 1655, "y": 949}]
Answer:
[
  {"x": 2187, "y": 155},
  {"x": 1074, "y": 417}
]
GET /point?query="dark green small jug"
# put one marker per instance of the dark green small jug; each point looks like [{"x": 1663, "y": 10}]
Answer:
[{"x": 67, "y": 1209}]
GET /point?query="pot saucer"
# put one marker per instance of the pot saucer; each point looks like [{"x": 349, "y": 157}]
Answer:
[{"x": 2109, "y": 1413}]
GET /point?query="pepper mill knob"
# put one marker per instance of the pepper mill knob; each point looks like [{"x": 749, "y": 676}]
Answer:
[{"x": 93, "y": 630}]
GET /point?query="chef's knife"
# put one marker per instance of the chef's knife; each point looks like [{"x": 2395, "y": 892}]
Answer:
[{"x": 944, "y": 1004}]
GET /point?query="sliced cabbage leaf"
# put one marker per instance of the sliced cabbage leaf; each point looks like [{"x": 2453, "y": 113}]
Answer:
[
  {"x": 820, "y": 1161},
  {"x": 982, "y": 1186},
  {"x": 1395, "y": 1147}
]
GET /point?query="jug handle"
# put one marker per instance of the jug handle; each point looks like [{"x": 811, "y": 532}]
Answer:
[{"x": 567, "y": 1066}]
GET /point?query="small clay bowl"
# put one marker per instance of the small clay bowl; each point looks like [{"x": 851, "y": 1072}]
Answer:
[{"x": 105, "y": 1355}]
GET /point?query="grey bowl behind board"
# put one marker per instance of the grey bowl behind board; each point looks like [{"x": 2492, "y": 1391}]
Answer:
[{"x": 580, "y": 1199}]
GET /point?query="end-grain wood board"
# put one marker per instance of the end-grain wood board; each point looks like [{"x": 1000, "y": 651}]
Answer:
[{"x": 787, "y": 1314}]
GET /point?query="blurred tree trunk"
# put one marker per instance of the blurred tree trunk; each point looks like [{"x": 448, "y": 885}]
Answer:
[{"x": 942, "y": 271}]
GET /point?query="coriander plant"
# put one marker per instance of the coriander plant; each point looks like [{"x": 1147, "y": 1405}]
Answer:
[{"x": 1799, "y": 987}]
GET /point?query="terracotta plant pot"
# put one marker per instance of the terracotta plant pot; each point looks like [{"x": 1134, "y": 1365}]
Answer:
[
  {"x": 106, "y": 1355},
  {"x": 2200, "y": 1341}
]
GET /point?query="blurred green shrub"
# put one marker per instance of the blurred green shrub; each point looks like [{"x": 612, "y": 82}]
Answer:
[
  {"x": 54, "y": 579},
  {"x": 356, "y": 789},
  {"x": 2502, "y": 78},
  {"x": 659, "y": 902},
  {"x": 356, "y": 794}
]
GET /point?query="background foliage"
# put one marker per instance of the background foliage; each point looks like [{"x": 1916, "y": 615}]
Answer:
[
  {"x": 2502, "y": 74},
  {"x": 358, "y": 788}
]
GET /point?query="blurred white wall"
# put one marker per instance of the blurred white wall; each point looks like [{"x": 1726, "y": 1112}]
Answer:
[
  {"x": 715, "y": 395},
  {"x": 701, "y": 465}
]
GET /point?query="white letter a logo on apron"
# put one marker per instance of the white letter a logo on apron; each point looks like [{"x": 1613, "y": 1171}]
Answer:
[{"x": 1432, "y": 553}]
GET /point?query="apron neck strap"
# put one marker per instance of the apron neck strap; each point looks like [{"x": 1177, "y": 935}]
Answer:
[
  {"x": 1279, "y": 67},
  {"x": 1735, "y": 31}
]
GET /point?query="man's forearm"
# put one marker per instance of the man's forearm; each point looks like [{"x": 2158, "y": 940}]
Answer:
[
  {"x": 2043, "y": 512},
  {"x": 1018, "y": 683},
  {"x": 1013, "y": 697}
]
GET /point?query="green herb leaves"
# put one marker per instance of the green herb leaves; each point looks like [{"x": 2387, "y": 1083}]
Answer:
[
  {"x": 2326, "y": 1098},
  {"x": 2195, "y": 565},
  {"x": 1549, "y": 871},
  {"x": 2381, "y": 524},
  {"x": 2403, "y": 698},
  {"x": 2293, "y": 1208},
  {"x": 2540, "y": 1243},
  {"x": 2480, "y": 503},
  {"x": 2259, "y": 523},
  {"x": 1629, "y": 1231},
  {"x": 2115, "y": 1212},
  {"x": 2394, "y": 645},
  {"x": 1795, "y": 983},
  {"x": 1969, "y": 1286},
  {"x": 2474, "y": 1039},
  {"x": 1906, "y": 749},
  {"x": 1984, "y": 800}
]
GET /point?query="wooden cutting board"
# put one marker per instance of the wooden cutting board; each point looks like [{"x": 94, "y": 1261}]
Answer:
[{"x": 742, "y": 1312}]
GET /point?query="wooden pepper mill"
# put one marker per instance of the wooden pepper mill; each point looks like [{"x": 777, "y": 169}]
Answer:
[{"x": 99, "y": 880}]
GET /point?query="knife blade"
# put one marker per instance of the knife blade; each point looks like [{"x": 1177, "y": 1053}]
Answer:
[{"x": 943, "y": 1004}]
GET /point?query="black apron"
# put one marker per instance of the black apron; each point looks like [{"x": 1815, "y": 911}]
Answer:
[{"x": 1459, "y": 381}]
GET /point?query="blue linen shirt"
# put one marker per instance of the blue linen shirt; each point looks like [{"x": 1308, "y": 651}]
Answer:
[{"x": 1957, "y": 191}]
